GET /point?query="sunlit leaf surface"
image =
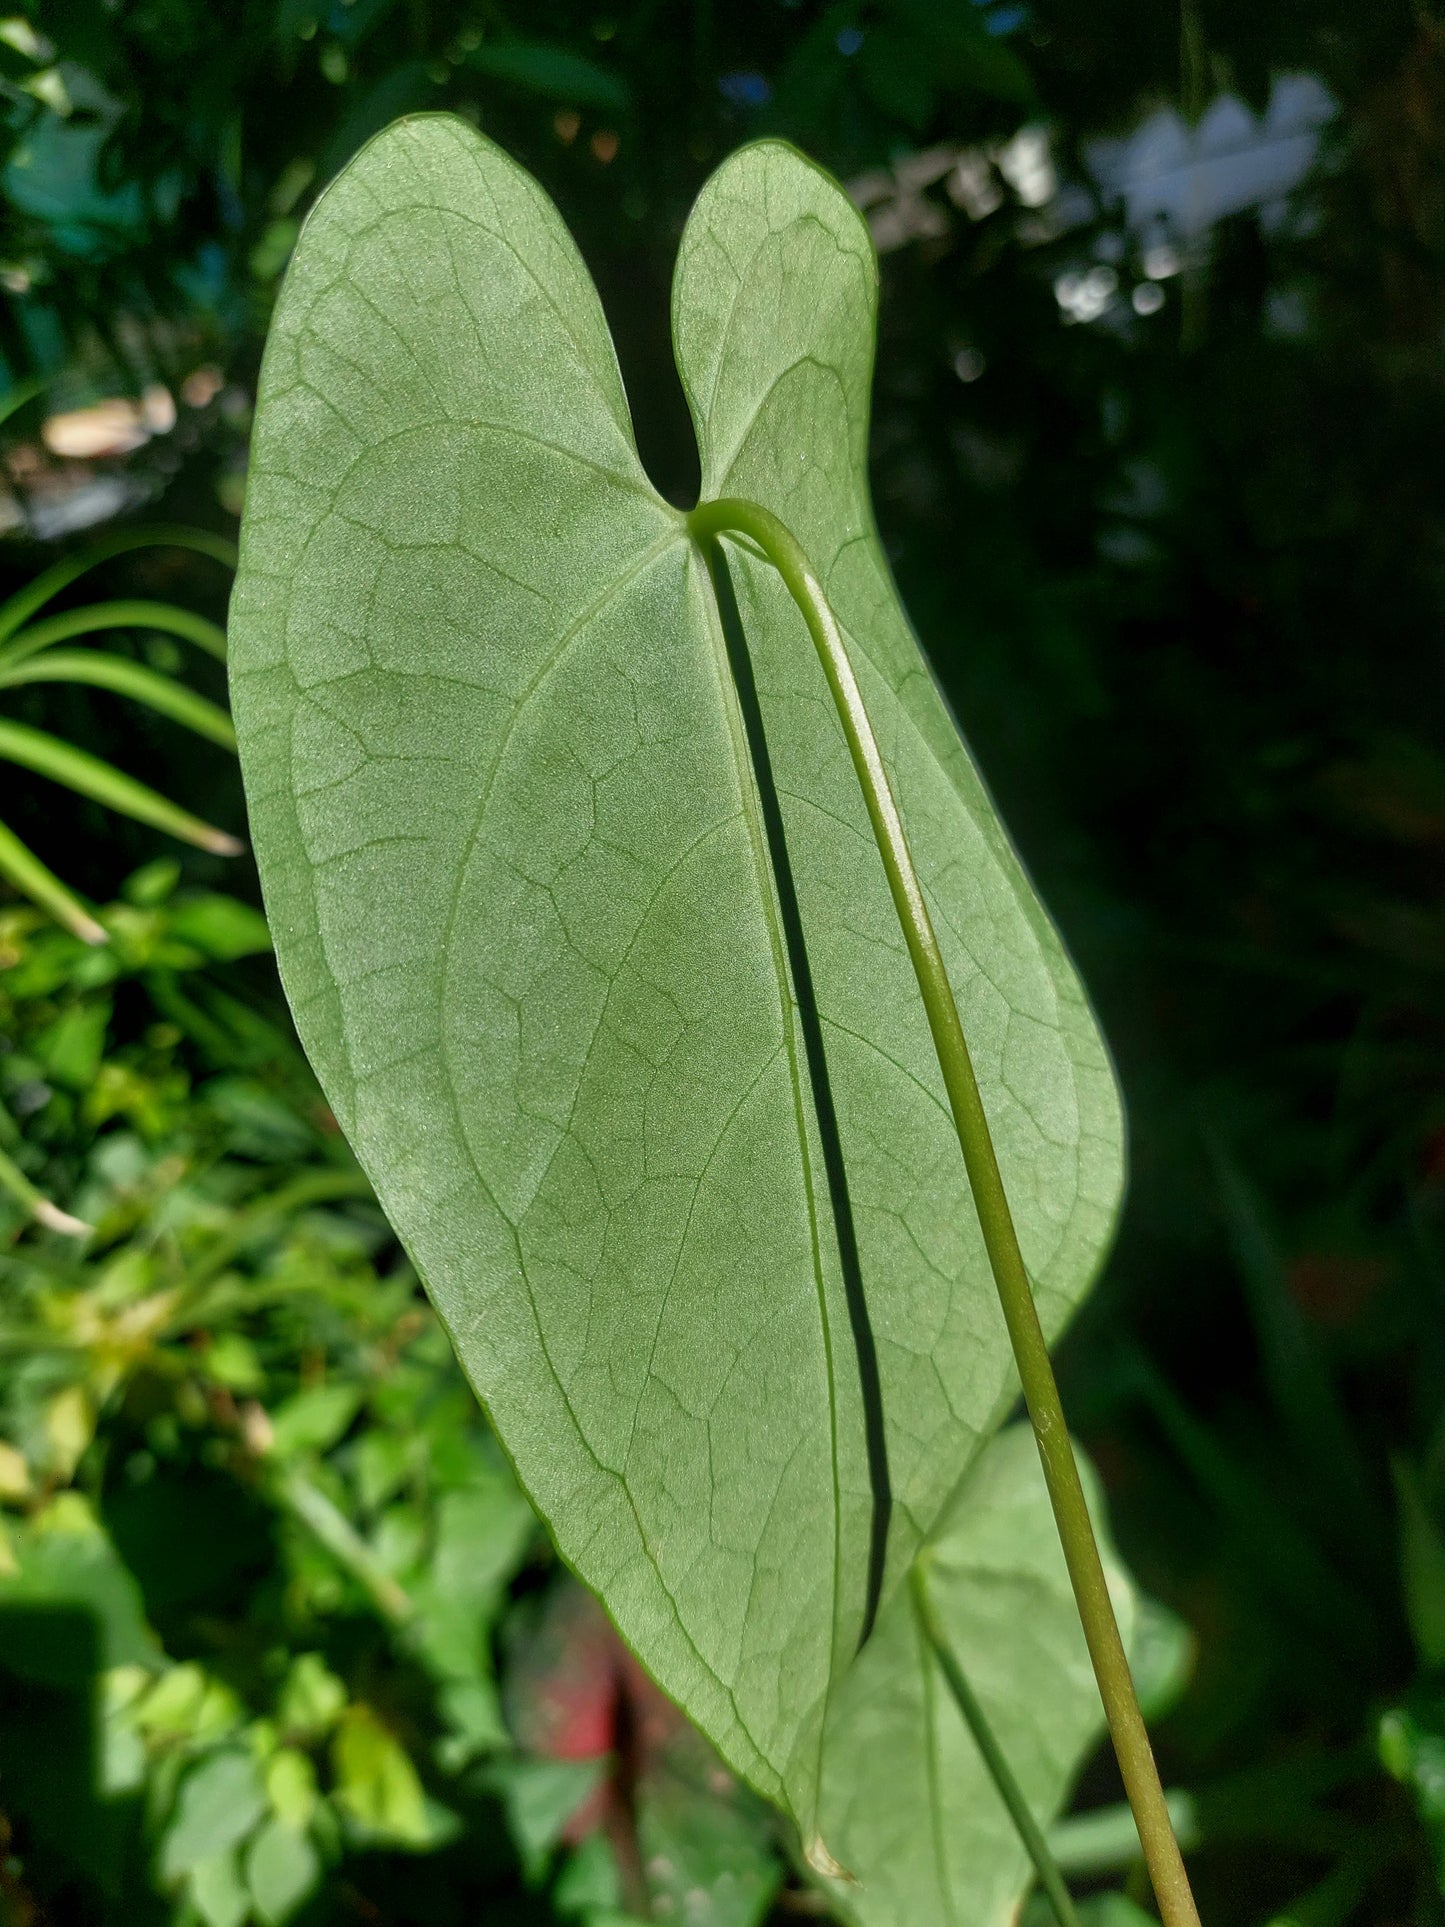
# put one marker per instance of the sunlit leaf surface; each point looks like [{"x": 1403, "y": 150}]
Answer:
[{"x": 641, "y": 1080}]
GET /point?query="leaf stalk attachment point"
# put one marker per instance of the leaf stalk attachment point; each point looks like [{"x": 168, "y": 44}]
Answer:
[{"x": 728, "y": 516}]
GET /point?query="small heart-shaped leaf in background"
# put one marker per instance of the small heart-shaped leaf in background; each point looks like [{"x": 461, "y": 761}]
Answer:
[{"x": 908, "y": 1804}]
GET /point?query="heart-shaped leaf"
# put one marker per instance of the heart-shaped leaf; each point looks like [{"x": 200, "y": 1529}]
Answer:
[
  {"x": 569, "y": 897},
  {"x": 908, "y": 1804}
]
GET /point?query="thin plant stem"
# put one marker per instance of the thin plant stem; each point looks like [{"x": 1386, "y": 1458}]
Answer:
[
  {"x": 20, "y": 866},
  {"x": 994, "y": 1758},
  {"x": 708, "y": 521},
  {"x": 331, "y": 1526},
  {"x": 15, "y": 1184}
]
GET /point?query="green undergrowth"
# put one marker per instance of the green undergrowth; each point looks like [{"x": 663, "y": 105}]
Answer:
[{"x": 266, "y": 1580}]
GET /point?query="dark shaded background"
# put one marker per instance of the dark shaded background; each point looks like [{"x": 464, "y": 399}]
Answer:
[{"x": 1180, "y": 567}]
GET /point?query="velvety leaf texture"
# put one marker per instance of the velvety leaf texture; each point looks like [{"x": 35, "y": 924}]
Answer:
[
  {"x": 908, "y": 1804},
  {"x": 683, "y": 1190}
]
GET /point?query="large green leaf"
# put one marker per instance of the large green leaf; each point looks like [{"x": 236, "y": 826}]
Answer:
[
  {"x": 908, "y": 1805},
  {"x": 520, "y": 844}
]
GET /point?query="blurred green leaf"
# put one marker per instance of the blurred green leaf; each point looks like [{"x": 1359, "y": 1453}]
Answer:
[
  {"x": 540, "y": 1797},
  {"x": 705, "y": 1839},
  {"x": 1422, "y": 1565},
  {"x": 1162, "y": 1655},
  {"x": 1411, "y": 1743},
  {"x": 472, "y": 1709},
  {"x": 291, "y": 1784},
  {"x": 55, "y": 173},
  {"x": 153, "y": 882},
  {"x": 282, "y": 1868},
  {"x": 589, "y": 1881},
  {"x": 1105, "y": 1840},
  {"x": 173, "y": 1706},
  {"x": 218, "y": 1892},
  {"x": 231, "y": 1360},
  {"x": 220, "y": 927},
  {"x": 15, "y": 397},
  {"x": 65, "y": 1559},
  {"x": 480, "y": 1537},
  {"x": 261, "y": 1123},
  {"x": 313, "y": 1420},
  {"x": 1095, "y": 1910},
  {"x": 376, "y": 1782},
  {"x": 219, "y": 1801},
  {"x": 70, "y": 1050},
  {"x": 273, "y": 249},
  {"x": 558, "y": 72},
  {"x": 382, "y": 1462},
  {"x": 312, "y": 1698},
  {"x": 364, "y": 1562}
]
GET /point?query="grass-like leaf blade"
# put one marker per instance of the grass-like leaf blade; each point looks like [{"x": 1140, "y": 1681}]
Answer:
[
  {"x": 87, "y": 775},
  {"x": 99, "y": 670},
  {"x": 20, "y": 866},
  {"x": 167, "y": 618},
  {"x": 18, "y": 608}
]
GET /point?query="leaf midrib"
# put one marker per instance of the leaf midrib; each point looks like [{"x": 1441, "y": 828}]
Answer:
[{"x": 787, "y": 1002}]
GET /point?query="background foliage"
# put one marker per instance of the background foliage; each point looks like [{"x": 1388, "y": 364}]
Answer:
[{"x": 1178, "y": 562}]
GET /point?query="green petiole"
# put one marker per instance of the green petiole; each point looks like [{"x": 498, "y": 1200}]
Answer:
[{"x": 707, "y": 522}]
